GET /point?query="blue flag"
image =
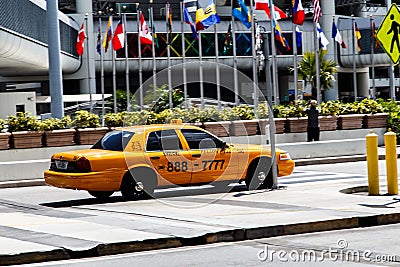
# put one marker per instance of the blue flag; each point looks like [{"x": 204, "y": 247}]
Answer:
[
  {"x": 189, "y": 20},
  {"x": 240, "y": 12}
]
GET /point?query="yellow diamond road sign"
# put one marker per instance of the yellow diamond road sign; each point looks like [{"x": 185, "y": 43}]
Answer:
[{"x": 388, "y": 33}]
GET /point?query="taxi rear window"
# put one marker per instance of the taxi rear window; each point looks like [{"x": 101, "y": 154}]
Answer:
[{"x": 115, "y": 141}]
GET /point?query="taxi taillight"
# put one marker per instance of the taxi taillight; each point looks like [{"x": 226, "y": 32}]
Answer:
[
  {"x": 284, "y": 156},
  {"x": 83, "y": 164}
]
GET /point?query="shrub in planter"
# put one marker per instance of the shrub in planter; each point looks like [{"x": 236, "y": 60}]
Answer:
[
  {"x": 25, "y": 130},
  {"x": 56, "y": 132},
  {"x": 296, "y": 121},
  {"x": 328, "y": 118},
  {"x": 4, "y": 137},
  {"x": 348, "y": 117},
  {"x": 87, "y": 128},
  {"x": 114, "y": 119}
]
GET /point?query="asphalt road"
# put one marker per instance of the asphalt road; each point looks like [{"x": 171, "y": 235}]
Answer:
[{"x": 374, "y": 246}]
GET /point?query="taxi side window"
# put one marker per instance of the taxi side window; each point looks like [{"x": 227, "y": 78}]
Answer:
[
  {"x": 163, "y": 140},
  {"x": 198, "y": 139}
]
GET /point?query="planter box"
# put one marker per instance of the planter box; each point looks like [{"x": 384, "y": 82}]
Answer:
[
  {"x": 220, "y": 128},
  {"x": 328, "y": 123},
  {"x": 245, "y": 127},
  {"x": 296, "y": 125},
  {"x": 4, "y": 140},
  {"x": 25, "y": 139},
  {"x": 351, "y": 121},
  {"x": 375, "y": 120},
  {"x": 262, "y": 123},
  {"x": 279, "y": 125},
  {"x": 62, "y": 137},
  {"x": 89, "y": 136}
]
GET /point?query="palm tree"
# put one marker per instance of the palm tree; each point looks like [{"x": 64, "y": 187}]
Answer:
[{"x": 307, "y": 69}]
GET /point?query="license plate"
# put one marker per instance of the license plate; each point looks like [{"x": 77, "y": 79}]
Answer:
[{"x": 62, "y": 165}]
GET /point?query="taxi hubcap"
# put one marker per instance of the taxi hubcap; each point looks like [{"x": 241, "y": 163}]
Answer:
[
  {"x": 261, "y": 176},
  {"x": 139, "y": 186}
]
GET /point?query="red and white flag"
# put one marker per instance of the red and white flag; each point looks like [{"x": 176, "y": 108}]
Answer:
[
  {"x": 144, "y": 33},
  {"x": 263, "y": 5},
  {"x": 80, "y": 41},
  {"x": 119, "y": 36},
  {"x": 317, "y": 10}
]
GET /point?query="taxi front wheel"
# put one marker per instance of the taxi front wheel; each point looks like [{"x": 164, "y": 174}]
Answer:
[
  {"x": 259, "y": 175},
  {"x": 138, "y": 184}
]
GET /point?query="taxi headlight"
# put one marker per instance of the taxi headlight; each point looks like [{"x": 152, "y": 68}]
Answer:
[{"x": 284, "y": 156}]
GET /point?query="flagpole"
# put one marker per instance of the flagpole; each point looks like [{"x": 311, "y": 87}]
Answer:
[
  {"x": 201, "y": 73},
  {"x": 354, "y": 58},
  {"x": 273, "y": 50},
  {"x": 217, "y": 67},
  {"x": 317, "y": 65},
  {"x": 114, "y": 72},
  {"x": 101, "y": 73},
  {"x": 140, "y": 58},
  {"x": 235, "y": 74},
  {"x": 295, "y": 72},
  {"x": 153, "y": 52},
  {"x": 128, "y": 104},
  {"x": 335, "y": 49},
  {"x": 184, "y": 57},
  {"x": 169, "y": 34},
  {"x": 88, "y": 65},
  {"x": 254, "y": 55},
  {"x": 372, "y": 93}
]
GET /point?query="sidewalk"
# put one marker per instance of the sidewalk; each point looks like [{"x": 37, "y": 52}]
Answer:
[{"x": 85, "y": 227}]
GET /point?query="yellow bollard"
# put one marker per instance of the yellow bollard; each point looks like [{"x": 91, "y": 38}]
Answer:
[
  {"x": 372, "y": 162},
  {"x": 391, "y": 163}
]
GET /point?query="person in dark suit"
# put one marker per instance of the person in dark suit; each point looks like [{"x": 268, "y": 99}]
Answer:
[{"x": 313, "y": 122}]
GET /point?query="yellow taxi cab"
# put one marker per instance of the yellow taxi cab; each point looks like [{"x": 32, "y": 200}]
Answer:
[{"x": 138, "y": 159}]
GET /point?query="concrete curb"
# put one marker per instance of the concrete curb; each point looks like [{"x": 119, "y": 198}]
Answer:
[{"x": 209, "y": 238}]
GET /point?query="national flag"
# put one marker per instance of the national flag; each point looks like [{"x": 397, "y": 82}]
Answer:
[
  {"x": 80, "y": 41},
  {"x": 279, "y": 36},
  {"x": 144, "y": 34},
  {"x": 228, "y": 40},
  {"x": 98, "y": 45},
  {"x": 336, "y": 35},
  {"x": 317, "y": 10},
  {"x": 263, "y": 5},
  {"x": 205, "y": 17},
  {"x": 358, "y": 36},
  {"x": 169, "y": 24},
  {"x": 188, "y": 19},
  {"x": 108, "y": 35},
  {"x": 322, "y": 38},
  {"x": 299, "y": 37},
  {"x": 377, "y": 45},
  {"x": 153, "y": 28},
  {"x": 298, "y": 14},
  {"x": 118, "y": 40},
  {"x": 240, "y": 11}
]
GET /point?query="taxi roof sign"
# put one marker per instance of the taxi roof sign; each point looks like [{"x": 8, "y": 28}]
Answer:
[{"x": 388, "y": 34}]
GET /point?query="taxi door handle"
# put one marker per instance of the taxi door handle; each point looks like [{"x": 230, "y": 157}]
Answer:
[
  {"x": 196, "y": 155},
  {"x": 155, "y": 157}
]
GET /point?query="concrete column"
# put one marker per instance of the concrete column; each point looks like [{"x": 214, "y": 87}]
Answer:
[
  {"x": 363, "y": 83},
  {"x": 88, "y": 84},
  {"x": 328, "y": 11},
  {"x": 55, "y": 72}
]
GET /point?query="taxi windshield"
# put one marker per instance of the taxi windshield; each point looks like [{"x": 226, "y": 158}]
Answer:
[{"x": 115, "y": 141}]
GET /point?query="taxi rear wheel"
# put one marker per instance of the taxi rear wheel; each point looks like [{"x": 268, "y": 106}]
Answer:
[
  {"x": 259, "y": 174},
  {"x": 138, "y": 184},
  {"x": 101, "y": 194}
]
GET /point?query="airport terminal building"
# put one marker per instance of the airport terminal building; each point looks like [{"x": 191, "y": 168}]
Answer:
[{"x": 365, "y": 70}]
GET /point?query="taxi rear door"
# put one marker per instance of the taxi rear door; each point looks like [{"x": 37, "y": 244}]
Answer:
[{"x": 164, "y": 151}]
